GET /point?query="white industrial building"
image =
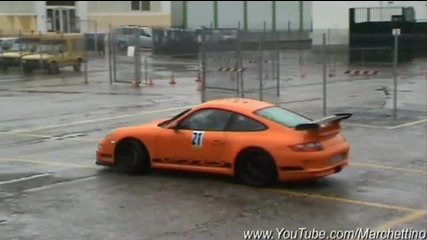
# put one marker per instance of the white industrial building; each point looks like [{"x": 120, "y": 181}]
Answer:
[
  {"x": 329, "y": 17},
  {"x": 332, "y": 17},
  {"x": 280, "y": 15}
]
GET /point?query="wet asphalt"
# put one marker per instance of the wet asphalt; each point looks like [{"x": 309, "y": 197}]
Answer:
[{"x": 50, "y": 187}]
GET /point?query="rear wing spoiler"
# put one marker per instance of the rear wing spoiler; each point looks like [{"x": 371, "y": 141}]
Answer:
[{"x": 317, "y": 124}]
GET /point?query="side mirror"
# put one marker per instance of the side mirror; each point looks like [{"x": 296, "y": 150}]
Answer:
[{"x": 174, "y": 126}]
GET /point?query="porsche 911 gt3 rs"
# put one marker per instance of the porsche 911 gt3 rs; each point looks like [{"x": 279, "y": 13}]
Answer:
[{"x": 258, "y": 142}]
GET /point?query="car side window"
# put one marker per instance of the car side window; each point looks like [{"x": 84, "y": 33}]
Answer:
[
  {"x": 144, "y": 33},
  {"x": 207, "y": 120},
  {"x": 240, "y": 123}
]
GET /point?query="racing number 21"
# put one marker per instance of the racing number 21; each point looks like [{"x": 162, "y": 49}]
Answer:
[{"x": 197, "y": 138}]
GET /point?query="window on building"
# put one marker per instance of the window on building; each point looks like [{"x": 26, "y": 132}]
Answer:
[
  {"x": 140, "y": 5},
  {"x": 61, "y": 3}
]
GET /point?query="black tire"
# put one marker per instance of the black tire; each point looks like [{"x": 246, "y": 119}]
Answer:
[
  {"x": 27, "y": 69},
  {"x": 77, "y": 67},
  {"x": 53, "y": 68},
  {"x": 132, "y": 157},
  {"x": 256, "y": 168}
]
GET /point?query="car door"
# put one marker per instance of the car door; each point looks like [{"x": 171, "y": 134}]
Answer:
[
  {"x": 197, "y": 143},
  {"x": 145, "y": 39}
]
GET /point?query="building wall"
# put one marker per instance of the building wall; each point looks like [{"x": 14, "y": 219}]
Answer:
[
  {"x": 120, "y": 13},
  {"x": 16, "y": 16},
  {"x": 104, "y": 22},
  {"x": 119, "y": 7},
  {"x": 336, "y": 25},
  {"x": 231, "y": 14},
  {"x": 31, "y": 15},
  {"x": 199, "y": 13},
  {"x": 177, "y": 13},
  {"x": 16, "y": 7}
]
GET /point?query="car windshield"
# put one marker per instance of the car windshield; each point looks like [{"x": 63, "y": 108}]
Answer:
[
  {"x": 21, "y": 47},
  {"x": 282, "y": 116},
  {"x": 164, "y": 124},
  {"x": 48, "y": 48}
]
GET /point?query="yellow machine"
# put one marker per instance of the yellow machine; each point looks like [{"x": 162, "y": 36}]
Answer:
[
  {"x": 56, "y": 51},
  {"x": 25, "y": 45}
]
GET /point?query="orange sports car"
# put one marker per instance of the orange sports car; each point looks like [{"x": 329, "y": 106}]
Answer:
[{"x": 258, "y": 142}]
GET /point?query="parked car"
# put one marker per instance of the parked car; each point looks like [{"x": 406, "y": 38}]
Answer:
[
  {"x": 56, "y": 51},
  {"x": 125, "y": 36},
  {"x": 6, "y": 43}
]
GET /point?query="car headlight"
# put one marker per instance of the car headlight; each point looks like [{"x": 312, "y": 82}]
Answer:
[{"x": 108, "y": 136}]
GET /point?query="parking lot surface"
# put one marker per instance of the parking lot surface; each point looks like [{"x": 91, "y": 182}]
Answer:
[{"x": 50, "y": 187}]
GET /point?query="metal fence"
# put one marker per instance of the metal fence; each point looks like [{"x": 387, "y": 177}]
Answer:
[
  {"x": 238, "y": 63},
  {"x": 140, "y": 57},
  {"x": 382, "y": 77}
]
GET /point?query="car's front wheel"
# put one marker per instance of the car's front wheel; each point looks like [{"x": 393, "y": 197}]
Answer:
[
  {"x": 256, "y": 168},
  {"x": 132, "y": 157}
]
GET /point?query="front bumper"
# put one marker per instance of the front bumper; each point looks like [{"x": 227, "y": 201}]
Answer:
[
  {"x": 10, "y": 62},
  {"x": 104, "y": 154},
  {"x": 35, "y": 64}
]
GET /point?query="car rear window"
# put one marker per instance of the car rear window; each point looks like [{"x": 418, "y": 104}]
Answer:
[{"x": 282, "y": 116}]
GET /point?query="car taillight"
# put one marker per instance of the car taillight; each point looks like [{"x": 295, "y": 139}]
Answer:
[{"x": 308, "y": 147}]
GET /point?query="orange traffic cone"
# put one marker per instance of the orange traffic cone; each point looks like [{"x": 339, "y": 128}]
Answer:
[
  {"x": 135, "y": 84},
  {"x": 331, "y": 73},
  {"x": 172, "y": 81},
  {"x": 199, "y": 77},
  {"x": 150, "y": 82},
  {"x": 303, "y": 73},
  {"x": 199, "y": 86}
]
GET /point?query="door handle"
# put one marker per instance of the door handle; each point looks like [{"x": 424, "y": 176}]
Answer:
[{"x": 216, "y": 142}]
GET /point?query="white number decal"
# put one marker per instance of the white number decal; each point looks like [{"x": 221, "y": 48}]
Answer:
[{"x": 197, "y": 139}]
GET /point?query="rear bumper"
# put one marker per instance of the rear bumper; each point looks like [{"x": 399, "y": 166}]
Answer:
[
  {"x": 312, "y": 165},
  {"x": 35, "y": 64},
  {"x": 297, "y": 175}
]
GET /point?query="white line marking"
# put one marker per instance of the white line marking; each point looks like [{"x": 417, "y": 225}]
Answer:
[
  {"x": 24, "y": 178},
  {"x": 408, "y": 124},
  {"x": 386, "y": 127},
  {"x": 48, "y": 137},
  {"x": 364, "y": 126},
  {"x": 99, "y": 119},
  {"x": 36, "y": 189},
  {"x": 53, "y": 163}
]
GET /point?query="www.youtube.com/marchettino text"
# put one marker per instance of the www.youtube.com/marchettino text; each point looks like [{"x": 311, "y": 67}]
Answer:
[{"x": 359, "y": 233}]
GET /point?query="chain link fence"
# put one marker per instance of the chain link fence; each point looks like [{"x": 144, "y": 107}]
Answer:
[
  {"x": 239, "y": 63},
  {"x": 126, "y": 54},
  {"x": 376, "y": 76}
]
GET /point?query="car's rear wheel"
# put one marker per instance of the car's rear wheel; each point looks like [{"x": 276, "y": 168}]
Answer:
[
  {"x": 256, "y": 168},
  {"x": 53, "y": 68},
  {"x": 132, "y": 157},
  {"x": 27, "y": 69},
  {"x": 77, "y": 66}
]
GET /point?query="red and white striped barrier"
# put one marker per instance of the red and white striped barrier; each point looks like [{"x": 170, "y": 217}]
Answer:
[{"x": 362, "y": 72}]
